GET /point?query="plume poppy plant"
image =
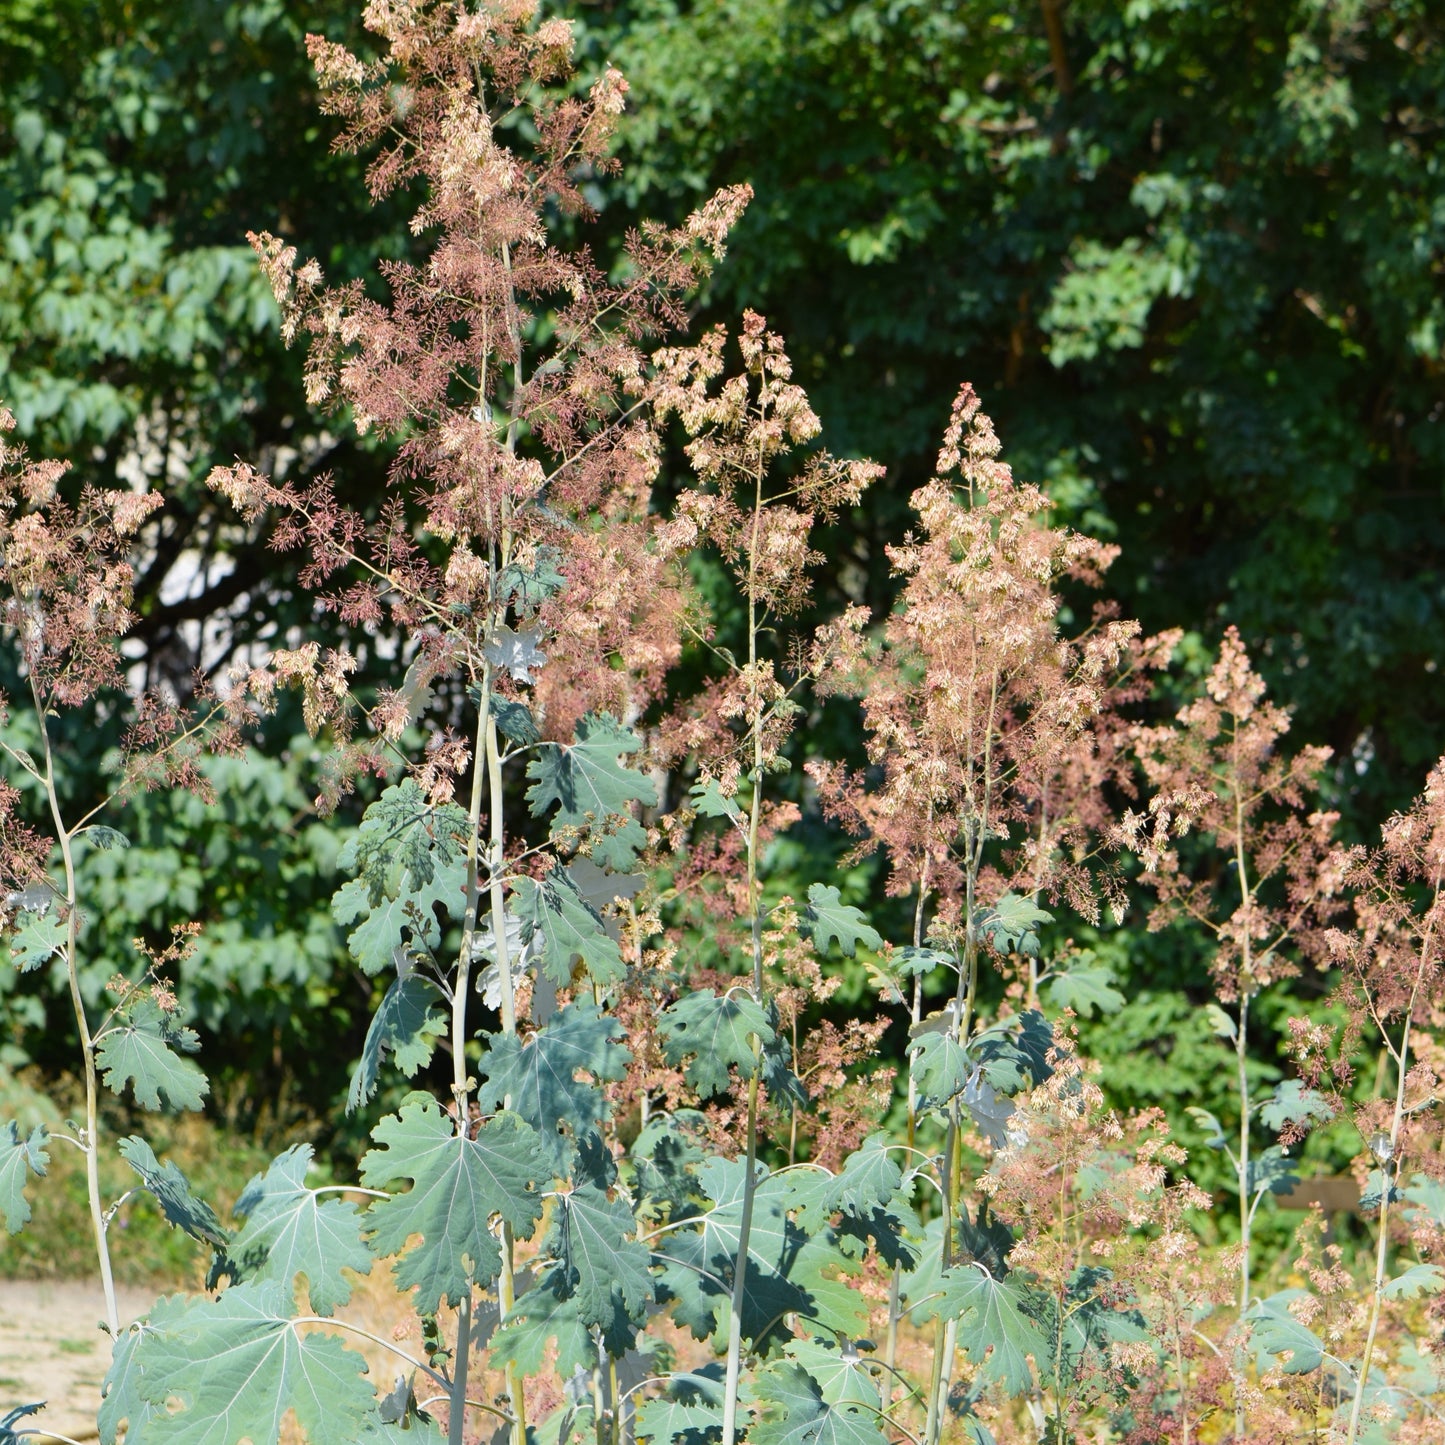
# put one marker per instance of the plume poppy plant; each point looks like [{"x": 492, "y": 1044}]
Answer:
[{"x": 647, "y": 1184}]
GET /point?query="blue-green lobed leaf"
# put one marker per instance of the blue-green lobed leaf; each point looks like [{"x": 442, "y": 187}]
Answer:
[
  {"x": 827, "y": 919},
  {"x": 238, "y": 1364},
  {"x": 292, "y": 1230},
  {"x": 182, "y": 1207},
  {"x": 19, "y": 1158},
  {"x": 406, "y": 1026},
  {"x": 554, "y": 910},
  {"x": 602, "y": 1265},
  {"x": 593, "y": 791},
  {"x": 714, "y": 1033},
  {"x": 537, "y": 1076},
  {"x": 144, "y": 1049},
  {"x": 791, "y": 1410},
  {"x": 457, "y": 1185}
]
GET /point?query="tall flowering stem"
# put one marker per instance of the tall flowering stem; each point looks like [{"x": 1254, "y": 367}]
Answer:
[
  {"x": 1392, "y": 967},
  {"x": 742, "y": 432},
  {"x": 1220, "y": 770},
  {"x": 978, "y": 710},
  {"x": 66, "y": 586},
  {"x": 516, "y": 555}
]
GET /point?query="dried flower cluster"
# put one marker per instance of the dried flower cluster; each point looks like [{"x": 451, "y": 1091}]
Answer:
[{"x": 656, "y": 1183}]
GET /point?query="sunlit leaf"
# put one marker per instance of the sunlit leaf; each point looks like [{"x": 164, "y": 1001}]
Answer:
[
  {"x": 593, "y": 791},
  {"x": 458, "y": 1185},
  {"x": 19, "y": 1158},
  {"x": 1086, "y": 989},
  {"x": 714, "y": 1033},
  {"x": 553, "y": 910},
  {"x": 602, "y": 1265},
  {"x": 1013, "y": 923},
  {"x": 143, "y": 1048},
  {"x": 1294, "y": 1102},
  {"x": 827, "y": 919},
  {"x": 1279, "y": 1339},
  {"x": 537, "y": 1076},
  {"x": 290, "y": 1230},
  {"x": 791, "y": 1410},
  {"x": 238, "y": 1364},
  {"x": 172, "y": 1191},
  {"x": 406, "y": 1027}
]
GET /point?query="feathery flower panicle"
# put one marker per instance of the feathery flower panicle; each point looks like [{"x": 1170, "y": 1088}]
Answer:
[
  {"x": 1220, "y": 771},
  {"x": 756, "y": 502},
  {"x": 987, "y": 724},
  {"x": 524, "y": 456}
]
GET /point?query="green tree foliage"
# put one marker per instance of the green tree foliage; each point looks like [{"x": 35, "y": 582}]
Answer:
[
  {"x": 138, "y": 143},
  {"x": 1192, "y": 253}
]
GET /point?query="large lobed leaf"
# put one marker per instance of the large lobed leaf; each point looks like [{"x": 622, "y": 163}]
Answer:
[
  {"x": 791, "y": 1410},
  {"x": 182, "y": 1207},
  {"x": 406, "y": 1026},
  {"x": 409, "y": 861},
  {"x": 538, "y": 1077},
  {"x": 1014, "y": 1055},
  {"x": 458, "y": 1185},
  {"x": 689, "y": 1413},
  {"x": 714, "y": 1032},
  {"x": 1013, "y": 923},
  {"x": 995, "y": 1330},
  {"x": 827, "y": 919},
  {"x": 290, "y": 1230},
  {"x": 235, "y": 1365},
  {"x": 554, "y": 910},
  {"x": 1087, "y": 989},
  {"x": 1280, "y": 1341},
  {"x": 593, "y": 791},
  {"x": 842, "y": 1374},
  {"x": 20, "y": 1157},
  {"x": 143, "y": 1049},
  {"x": 545, "y": 1314},
  {"x": 601, "y": 1267},
  {"x": 790, "y": 1270},
  {"x": 1295, "y": 1103}
]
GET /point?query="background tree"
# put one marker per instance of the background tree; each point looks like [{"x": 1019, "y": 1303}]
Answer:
[{"x": 1190, "y": 255}]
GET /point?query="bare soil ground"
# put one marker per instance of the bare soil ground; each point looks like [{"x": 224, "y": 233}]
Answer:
[{"x": 53, "y": 1349}]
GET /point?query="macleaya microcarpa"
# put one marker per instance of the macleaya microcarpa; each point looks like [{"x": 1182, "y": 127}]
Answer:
[{"x": 642, "y": 1189}]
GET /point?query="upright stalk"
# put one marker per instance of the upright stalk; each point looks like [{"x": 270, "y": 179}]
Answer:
[
  {"x": 945, "y": 1334},
  {"x": 461, "y": 1083},
  {"x": 1241, "y": 1059},
  {"x": 750, "y": 1186},
  {"x": 91, "y": 1142},
  {"x": 1387, "y": 1166},
  {"x": 490, "y": 755},
  {"x": 895, "y": 1286}
]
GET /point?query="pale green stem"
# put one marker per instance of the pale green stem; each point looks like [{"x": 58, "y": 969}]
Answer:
[
  {"x": 1377, "y": 1292},
  {"x": 461, "y": 1083},
  {"x": 895, "y": 1286},
  {"x": 750, "y": 1185},
  {"x": 1241, "y": 1054},
  {"x": 82, "y": 1024}
]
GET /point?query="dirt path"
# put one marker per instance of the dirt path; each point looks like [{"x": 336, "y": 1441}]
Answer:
[{"x": 52, "y": 1349}]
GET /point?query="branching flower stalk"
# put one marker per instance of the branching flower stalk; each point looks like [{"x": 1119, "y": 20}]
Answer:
[
  {"x": 522, "y": 453},
  {"x": 1220, "y": 771},
  {"x": 975, "y": 706},
  {"x": 90, "y": 1138},
  {"x": 740, "y": 434},
  {"x": 1391, "y": 965},
  {"x": 66, "y": 602}
]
